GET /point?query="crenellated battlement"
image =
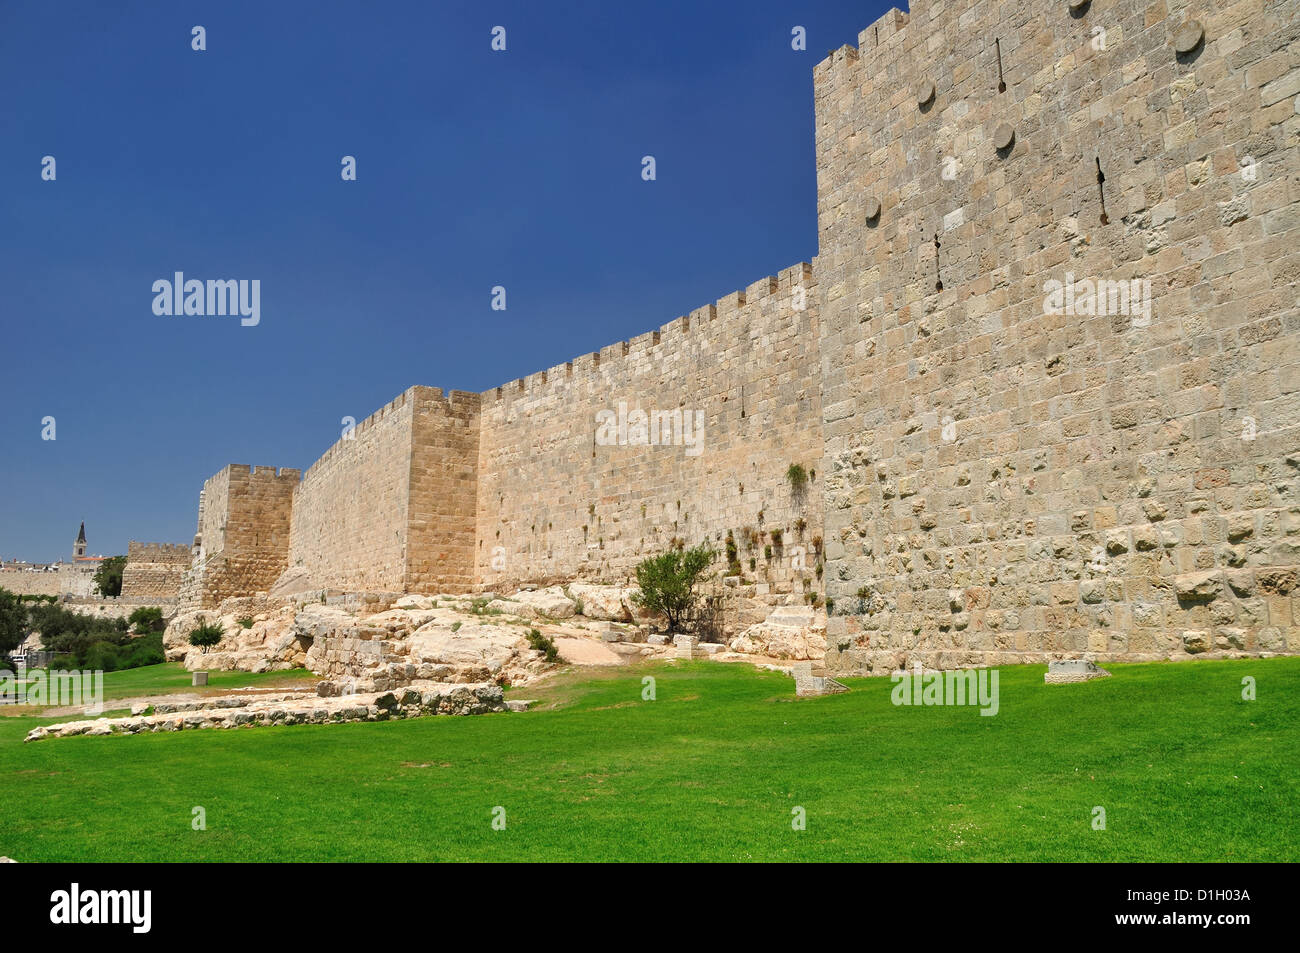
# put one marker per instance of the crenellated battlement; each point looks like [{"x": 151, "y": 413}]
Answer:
[
  {"x": 667, "y": 338},
  {"x": 154, "y": 571},
  {"x": 157, "y": 552}
]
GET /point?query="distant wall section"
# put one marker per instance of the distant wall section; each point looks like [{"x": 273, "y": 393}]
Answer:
[
  {"x": 154, "y": 570},
  {"x": 731, "y": 398}
]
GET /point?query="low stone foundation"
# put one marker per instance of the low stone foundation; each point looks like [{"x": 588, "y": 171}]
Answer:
[{"x": 409, "y": 702}]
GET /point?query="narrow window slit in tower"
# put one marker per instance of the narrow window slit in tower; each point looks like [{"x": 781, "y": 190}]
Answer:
[
  {"x": 938, "y": 281},
  {"x": 1101, "y": 191},
  {"x": 1002, "y": 86}
]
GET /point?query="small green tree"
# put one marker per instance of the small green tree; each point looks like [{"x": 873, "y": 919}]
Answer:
[
  {"x": 205, "y": 635},
  {"x": 668, "y": 581},
  {"x": 108, "y": 577}
]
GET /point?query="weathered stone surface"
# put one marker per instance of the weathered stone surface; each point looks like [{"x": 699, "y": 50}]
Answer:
[
  {"x": 473, "y": 652},
  {"x": 428, "y": 699},
  {"x": 807, "y": 686},
  {"x": 1095, "y": 479},
  {"x": 790, "y": 632},
  {"x": 1198, "y": 586},
  {"x": 1065, "y": 671},
  {"x": 685, "y": 645},
  {"x": 613, "y": 603},
  {"x": 547, "y": 603}
]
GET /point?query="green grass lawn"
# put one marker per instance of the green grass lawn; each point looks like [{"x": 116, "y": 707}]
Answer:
[
  {"x": 1185, "y": 769},
  {"x": 172, "y": 677}
]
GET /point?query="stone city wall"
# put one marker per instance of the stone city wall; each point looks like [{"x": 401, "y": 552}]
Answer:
[
  {"x": 561, "y": 498},
  {"x": 154, "y": 570},
  {"x": 1013, "y": 470}
]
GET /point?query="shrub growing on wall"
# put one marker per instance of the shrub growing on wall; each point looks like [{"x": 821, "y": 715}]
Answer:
[
  {"x": 668, "y": 582},
  {"x": 108, "y": 577}
]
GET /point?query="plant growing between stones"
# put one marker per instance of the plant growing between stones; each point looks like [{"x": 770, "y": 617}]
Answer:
[
  {"x": 797, "y": 476},
  {"x": 863, "y": 595},
  {"x": 245, "y": 621},
  {"x": 543, "y": 644}
]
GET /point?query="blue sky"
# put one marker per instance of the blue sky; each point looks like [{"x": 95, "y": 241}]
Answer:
[{"x": 474, "y": 169}]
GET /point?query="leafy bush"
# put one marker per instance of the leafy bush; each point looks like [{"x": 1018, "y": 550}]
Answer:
[
  {"x": 33, "y": 597},
  {"x": 205, "y": 634},
  {"x": 544, "y": 645},
  {"x": 108, "y": 577},
  {"x": 64, "y": 632},
  {"x": 13, "y": 622},
  {"x": 668, "y": 581},
  {"x": 146, "y": 619},
  {"x": 85, "y": 642}
]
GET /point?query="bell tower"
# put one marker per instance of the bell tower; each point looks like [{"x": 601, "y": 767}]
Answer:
[{"x": 79, "y": 547}]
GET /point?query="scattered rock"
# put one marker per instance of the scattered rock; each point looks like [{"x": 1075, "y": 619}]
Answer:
[
  {"x": 1067, "y": 671},
  {"x": 552, "y": 603},
  {"x": 790, "y": 632},
  {"x": 610, "y": 603},
  {"x": 411, "y": 702}
]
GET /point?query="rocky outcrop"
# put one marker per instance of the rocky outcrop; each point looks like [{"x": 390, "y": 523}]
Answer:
[
  {"x": 607, "y": 603},
  {"x": 269, "y": 644},
  {"x": 790, "y": 632},
  {"x": 549, "y": 603}
]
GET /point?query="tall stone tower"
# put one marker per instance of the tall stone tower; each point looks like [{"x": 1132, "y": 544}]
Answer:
[{"x": 79, "y": 547}]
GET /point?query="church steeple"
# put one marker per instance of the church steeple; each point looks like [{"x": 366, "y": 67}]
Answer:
[{"x": 79, "y": 548}]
